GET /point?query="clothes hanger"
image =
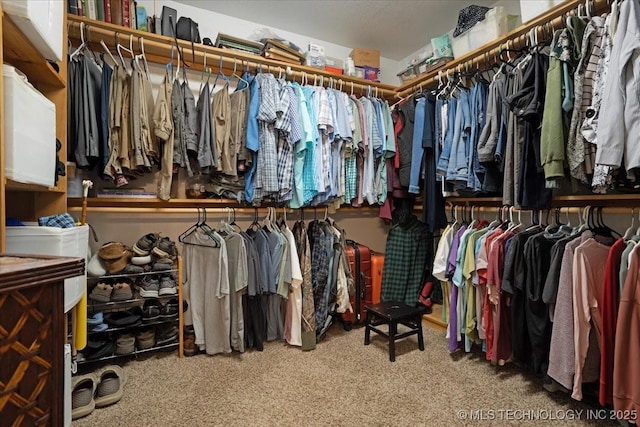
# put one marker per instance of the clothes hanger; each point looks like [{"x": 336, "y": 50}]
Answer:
[
  {"x": 513, "y": 226},
  {"x": 255, "y": 225},
  {"x": 237, "y": 76},
  {"x": 106, "y": 49},
  {"x": 84, "y": 44},
  {"x": 206, "y": 71},
  {"x": 200, "y": 225},
  {"x": 220, "y": 73},
  {"x": 632, "y": 229},
  {"x": 143, "y": 57}
]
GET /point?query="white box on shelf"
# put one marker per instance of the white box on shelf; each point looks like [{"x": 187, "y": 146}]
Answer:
[
  {"x": 70, "y": 242},
  {"x": 41, "y": 21},
  {"x": 29, "y": 131},
  {"x": 530, "y": 9},
  {"x": 493, "y": 25}
]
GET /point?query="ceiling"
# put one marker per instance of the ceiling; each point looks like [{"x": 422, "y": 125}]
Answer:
[{"x": 397, "y": 28}]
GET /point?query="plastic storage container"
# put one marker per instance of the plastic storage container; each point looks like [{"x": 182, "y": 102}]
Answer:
[
  {"x": 41, "y": 21},
  {"x": 494, "y": 25},
  {"x": 29, "y": 131},
  {"x": 71, "y": 242}
]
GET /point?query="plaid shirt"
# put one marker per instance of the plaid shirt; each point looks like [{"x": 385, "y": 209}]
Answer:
[
  {"x": 267, "y": 171},
  {"x": 64, "y": 220},
  {"x": 308, "y": 171},
  {"x": 404, "y": 262}
]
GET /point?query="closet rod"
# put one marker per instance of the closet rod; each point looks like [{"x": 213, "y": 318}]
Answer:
[
  {"x": 554, "y": 18},
  {"x": 572, "y": 209},
  {"x": 158, "y": 50},
  {"x": 244, "y": 210}
]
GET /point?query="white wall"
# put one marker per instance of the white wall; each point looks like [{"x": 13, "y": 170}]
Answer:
[{"x": 211, "y": 23}]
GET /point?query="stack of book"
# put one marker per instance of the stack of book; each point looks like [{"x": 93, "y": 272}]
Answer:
[
  {"x": 120, "y": 12},
  {"x": 226, "y": 41},
  {"x": 274, "y": 49}
]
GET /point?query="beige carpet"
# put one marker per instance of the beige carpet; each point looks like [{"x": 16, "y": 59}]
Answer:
[{"x": 341, "y": 383}]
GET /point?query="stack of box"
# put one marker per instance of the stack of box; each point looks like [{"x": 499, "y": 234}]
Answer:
[{"x": 367, "y": 62}]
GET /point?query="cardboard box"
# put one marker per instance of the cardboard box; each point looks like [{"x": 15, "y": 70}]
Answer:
[{"x": 366, "y": 57}]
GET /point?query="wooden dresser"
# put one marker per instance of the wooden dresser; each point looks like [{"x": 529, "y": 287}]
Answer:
[{"x": 32, "y": 338}]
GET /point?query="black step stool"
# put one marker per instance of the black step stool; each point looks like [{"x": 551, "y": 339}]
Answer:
[{"x": 391, "y": 313}]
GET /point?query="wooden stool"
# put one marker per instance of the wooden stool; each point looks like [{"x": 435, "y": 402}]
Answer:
[{"x": 392, "y": 313}]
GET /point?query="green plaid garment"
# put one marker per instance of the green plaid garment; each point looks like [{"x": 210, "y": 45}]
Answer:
[{"x": 405, "y": 257}]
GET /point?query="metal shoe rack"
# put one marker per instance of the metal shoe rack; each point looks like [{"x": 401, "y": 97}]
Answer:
[{"x": 112, "y": 332}]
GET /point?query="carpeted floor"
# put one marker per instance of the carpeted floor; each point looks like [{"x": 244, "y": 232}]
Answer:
[{"x": 340, "y": 383}]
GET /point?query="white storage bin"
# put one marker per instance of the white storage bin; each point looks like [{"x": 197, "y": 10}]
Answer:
[
  {"x": 29, "y": 131},
  {"x": 530, "y": 9},
  {"x": 71, "y": 242},
  {"x": 490, "y": 28},
  {"x": 41, "y": 21}
]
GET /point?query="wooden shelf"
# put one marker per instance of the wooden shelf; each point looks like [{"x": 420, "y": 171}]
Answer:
[
  {"x": 20, "y": 186},
  {"x": 21, "y": 53},
  {"x": 133, "y": 203},
  {"x": 158, "y": 49},
  {"x": 571, "y": 200}
]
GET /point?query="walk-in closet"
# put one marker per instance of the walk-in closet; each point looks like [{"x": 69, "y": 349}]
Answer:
[{"x": 207, "y": 206}]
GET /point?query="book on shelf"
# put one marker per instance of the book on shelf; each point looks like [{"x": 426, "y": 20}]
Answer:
[
  {"x": 281, "y": 55},
  {"x": 107, "y": 11},
  {"x": 126, "y": 13},
  {"x": 99, "y": 9},
  {"x": 249, "y": 46},
  {"x": 92, "y": 13},
  {"x": 80, "y": 7},
  {"x": 116, "y": 12},
  {"x": 72, "y": 7},
  {"x": 276, "y": 47}
]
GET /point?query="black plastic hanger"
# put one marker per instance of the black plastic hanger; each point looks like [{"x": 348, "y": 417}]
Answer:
[{"x": 201, "y": 224}]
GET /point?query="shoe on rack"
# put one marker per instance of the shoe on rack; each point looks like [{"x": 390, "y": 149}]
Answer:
[
  {"x": 163, "y": 264},
  {"x": 82, "y": 391},
  {"x": 133, "y": 269},
  {"x": 167, "y": 286},
  {"x": 101, "y": 292},
  {"x": 95, "y": 319},
  {"x": 189, "y": 341},
  {"x": 149, "y": 287},
  {"x": 167, "y": 335},
  {"x": 169, "y": 310},
  {"x": 127, "y": 318},
  {"x": 141, "y": 260},
  {"x": 165, "y": 248},
  {"x": 125, "y": 344},
  {"x": 146, "y": 339},
  {"x": 111, "y": 383},
  {"x": 145, "y": 244},
  {"x": 151, "y": 310},
  {"x": 98, "y": 349},
  {"x": 121, "y": 292},
  {"x": 101, "y": 327}
]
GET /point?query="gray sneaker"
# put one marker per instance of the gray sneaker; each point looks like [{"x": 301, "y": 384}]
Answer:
[
  {"x": 149, "y": 287},
  {"x": 167, "y": 286}
]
